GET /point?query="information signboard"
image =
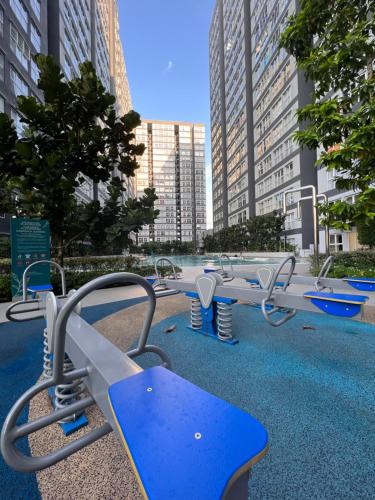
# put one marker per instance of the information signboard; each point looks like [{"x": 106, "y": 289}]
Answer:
[{"x": 30, "y": 242}]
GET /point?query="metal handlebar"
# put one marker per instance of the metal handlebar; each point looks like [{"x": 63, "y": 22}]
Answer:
[
  {"x": 26, "y": 272},
  {"x": 11, "y": 432},
  {"x": 324, "y": 270},
  {"x": 12, "y": 311},
  {"x": 269, "y": 300},
  {"x": 224, "y": 273},
  {"x": 159, "y": 282}
]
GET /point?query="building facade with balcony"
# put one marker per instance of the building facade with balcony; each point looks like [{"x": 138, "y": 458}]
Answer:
[
  {"x": 174, "y": 164},
  {"x": 255, "y": 91}
]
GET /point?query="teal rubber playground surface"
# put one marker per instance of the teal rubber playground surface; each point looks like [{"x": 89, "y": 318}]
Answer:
[{"x": 312, "y": 388}]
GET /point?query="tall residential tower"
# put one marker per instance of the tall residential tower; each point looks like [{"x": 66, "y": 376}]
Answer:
[
  {"x": 255, "y": 90},
  {"x": 174, "y": 164}
]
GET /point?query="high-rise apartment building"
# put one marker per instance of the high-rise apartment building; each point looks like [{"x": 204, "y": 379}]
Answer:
[
  {"x": 119, "y": 79},
  {"x": 71, "y": 31},
  {"x": 174, "y": 164},
  {"x": 23, "y": 32},
  {"x": 255, "y": 91},
  {"x": 82, "y": 27}
]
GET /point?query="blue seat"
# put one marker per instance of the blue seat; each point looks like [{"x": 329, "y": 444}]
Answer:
[
  {"x": 362, "y": 284},
  {"x": 182, "y": 441},
  {"x": 337, "y": 304},
  {"x": 208, "y": 270},
  {"x": 151, "y": 279},
  {"x": 34, "y": 289}
]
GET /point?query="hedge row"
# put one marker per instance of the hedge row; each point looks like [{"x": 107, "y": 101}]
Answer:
[
  {"x": 78, "y": 264},
  {"x": 359, "y": 263},
  {"x": 76, "y": 279}
]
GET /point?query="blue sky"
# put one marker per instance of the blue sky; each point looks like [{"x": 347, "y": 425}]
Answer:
[{"x": 166, "y": 51}]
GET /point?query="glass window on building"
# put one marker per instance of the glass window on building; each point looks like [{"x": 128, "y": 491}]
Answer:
[
  {"x": 2, "y": 61},
  {"x": 19, "y": 85},
  {"x": 21, "y": 13},
  {"x": 35, "y": 37},
  {"x": 1, "y": 21},
  {"x": 19, "y": 46},
  {"x": 16, "y": 117},
  {"x": 336, "y": 243},
  {"x": 34, "y": 71},
  {"x": 2, "y": 104},
  {"x": 35, "y": 4}
]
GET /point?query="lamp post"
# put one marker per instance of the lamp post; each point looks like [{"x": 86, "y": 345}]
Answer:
[{"x": 323, "y": 197}]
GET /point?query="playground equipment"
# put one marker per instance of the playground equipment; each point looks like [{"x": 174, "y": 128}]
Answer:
[
  {"x": 38, "y": 295},
  {"x": 320, "y": 283},
  {"x": 158, "y": 279},
  {"x": 208, "y": 290},
  {"x": 211, "y": 315},
  {"x": 182, "y": 441},
  {"x": 227, "y": 275}
]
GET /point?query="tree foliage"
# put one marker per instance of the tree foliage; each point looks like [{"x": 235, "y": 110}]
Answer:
[
  {"x": 366, "y": 233},
  {"x": 74, "y": 135},
  {"x": 260, "y": 233},
  {"x": 167, "y": 248},
  {"x": 333, "y": 42}
]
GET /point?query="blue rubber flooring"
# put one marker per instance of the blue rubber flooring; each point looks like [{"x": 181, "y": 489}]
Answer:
[
  {"x": 20, "y": 366},
  {"x": 313, "y": 390}
]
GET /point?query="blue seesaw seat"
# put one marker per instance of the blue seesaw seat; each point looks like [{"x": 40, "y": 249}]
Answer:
[
  {"x": 34, "y": 289},
  {"x": 337, "y": 304},
  {"x": 208, "y": 270},
  {"x": 363, "y": 284},
  {"x": 151, "y": 279},
  {"x": 182, "y": 441}
]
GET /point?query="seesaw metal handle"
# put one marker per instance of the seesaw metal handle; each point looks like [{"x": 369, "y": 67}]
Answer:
[
  {"x": 27, "y": 270},
  {"x": 324, "y": 270},
  {"x": 11, "y": 432},
  {"x": 12, "y": 311},
  {"x": 268, "y": 307},
  {"x": 160, "y": 282},
  {"x": 226, "y": 276}
]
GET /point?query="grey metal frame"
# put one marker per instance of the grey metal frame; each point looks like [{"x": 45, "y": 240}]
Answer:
[
  {"x": 320, "y": 282},
  {"x": 101, "y": 364},
  {"x": 280, "y": 299},
  {"x": 160, "y": 280},
  {"x": 226, "y": 277},
  {"x": 96, "y": 360},
  {"x": 269, "y": 300},
  {"x": 315, "y": 214},
  {"x": 12, "y": 311}
]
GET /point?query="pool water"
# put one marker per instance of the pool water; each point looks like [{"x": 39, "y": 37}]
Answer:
[{"x": 209, "y": 260}]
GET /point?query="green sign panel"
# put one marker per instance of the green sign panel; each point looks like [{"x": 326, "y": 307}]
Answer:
[{"x": 30, "y": 241}]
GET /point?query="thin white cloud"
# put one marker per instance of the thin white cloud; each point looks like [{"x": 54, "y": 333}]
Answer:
[{"x": 168, "y": 68}]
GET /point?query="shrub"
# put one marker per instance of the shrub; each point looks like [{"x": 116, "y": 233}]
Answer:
[
  {"x": 75, "y": 279},
  {"x": 78, "y": 264},
  {"x": 358, "y": 263}
]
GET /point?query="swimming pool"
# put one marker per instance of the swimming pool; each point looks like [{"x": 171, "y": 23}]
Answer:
[{"x": 206, "y": 260}]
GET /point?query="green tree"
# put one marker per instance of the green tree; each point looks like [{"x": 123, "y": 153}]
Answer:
[
  {"x": 333, "y": 42},
  {"x": 260, "y": 233},
  {"x": 73, "y": 136},
  {"x": 366, "y": 233},
  {"x": 109, "y": 230}
]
